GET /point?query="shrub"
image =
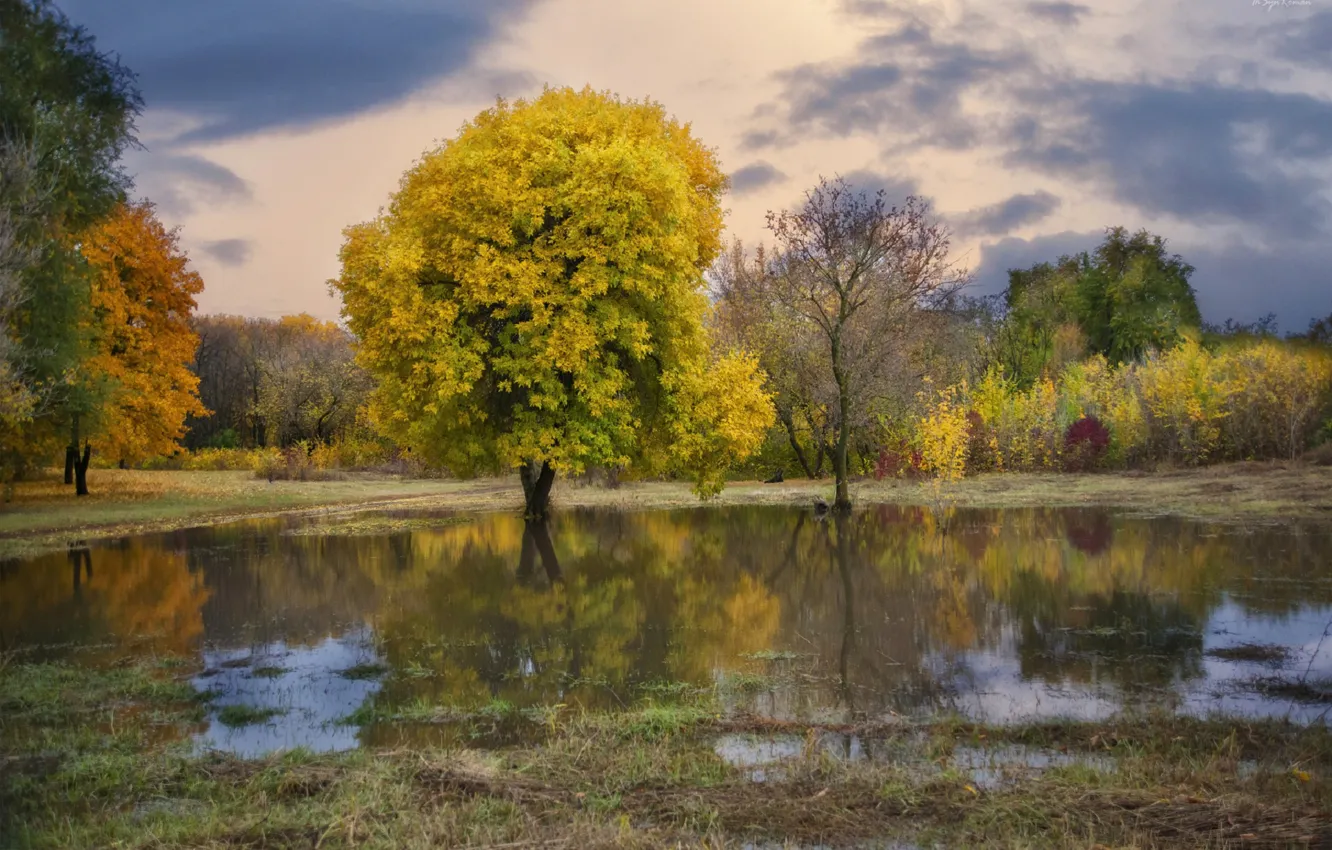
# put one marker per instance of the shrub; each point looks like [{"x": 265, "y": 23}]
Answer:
[
  {"x": 1085, "y": 444},
  {"x": 294, "y": 463},
  {"x": 942, "y": 434},
  {"x": 898, "y": 460}
]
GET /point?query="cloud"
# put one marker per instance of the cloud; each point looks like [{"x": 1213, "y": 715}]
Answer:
[
  {"x": 894, "y": 188},
  {"x": 1007, "y": 215},
  {"x": 755, "y": 176},
  {"x": 1298, "y": 40},
  {"x": 246, "y": 66},
  {"x": 178, "y": 182},
  {"x": 1245, "y": 282},
  {"x": 229, "y": 252},
  {"x": 1202, "y": 152},
  {"x": 1064, "y": 14},
  {"x": 991, "y": 274},
  {"x": 909, "y": 82}
]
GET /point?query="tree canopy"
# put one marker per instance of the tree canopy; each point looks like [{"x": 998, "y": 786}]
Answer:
[
  {"x": 534, "y": 298},
  {"x": 142, "y": 297},
  {"x": 66, "y": 115},
  {"x": 1125, "y": 298}
]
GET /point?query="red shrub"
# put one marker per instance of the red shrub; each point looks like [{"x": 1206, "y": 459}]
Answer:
[
  {"x": 1085, "y": 443},
  {"x": 898, "y": 461}
]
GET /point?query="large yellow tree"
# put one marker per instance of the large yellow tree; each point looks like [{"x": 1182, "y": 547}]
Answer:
[
  {"x": 533, "y": 298},
  {"x": 142, "y": 298}
]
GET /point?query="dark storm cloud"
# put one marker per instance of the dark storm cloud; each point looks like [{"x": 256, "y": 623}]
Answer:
[
  {"x": 249, "y": 65},
  {"x": 1204, "y": 153},
  {"x": 755, "y": 176},
  {"x": 229, "y": 252},
  {"x": 908, "y": 82},
  {"x": 1064, "y": 14},
  {"x": 1007, "y": 215},
  {"x": 1245, "y": 283},
  {"x": 178, "y": 183}
]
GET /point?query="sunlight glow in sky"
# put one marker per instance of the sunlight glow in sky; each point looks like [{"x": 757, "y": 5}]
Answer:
[{"x": 273, "y": 124}]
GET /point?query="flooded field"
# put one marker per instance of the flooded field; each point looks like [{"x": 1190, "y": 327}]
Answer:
[{"x": 379, "y": 629}]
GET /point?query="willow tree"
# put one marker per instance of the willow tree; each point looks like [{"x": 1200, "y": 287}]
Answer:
[{"x": 533, "y": 299}]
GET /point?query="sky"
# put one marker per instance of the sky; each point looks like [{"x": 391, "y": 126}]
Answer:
[{"x": 1030, "y": 125}]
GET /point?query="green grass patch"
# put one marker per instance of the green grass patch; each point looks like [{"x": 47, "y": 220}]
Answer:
[
  {"x": 236, "y": 716},
  {"x": 364, "y": 671}
]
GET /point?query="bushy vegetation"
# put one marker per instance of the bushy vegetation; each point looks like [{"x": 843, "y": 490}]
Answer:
[
  {"x": 1185, "y": 406},
  {"x": 1097, "y": 361}
]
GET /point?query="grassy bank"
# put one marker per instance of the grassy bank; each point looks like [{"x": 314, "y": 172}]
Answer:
[
  {"x": 46, "y": 515},
  {"x": 86, "y": 760}
]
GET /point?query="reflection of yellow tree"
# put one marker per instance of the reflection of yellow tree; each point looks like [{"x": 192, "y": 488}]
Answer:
[{"x": 641, "y": 596}]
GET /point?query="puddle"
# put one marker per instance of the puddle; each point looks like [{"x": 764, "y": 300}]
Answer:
[
  {"x": 994, "y": 767},
  {"x": 303, "y": 688},
  {"x": 1011, "y": 616}
]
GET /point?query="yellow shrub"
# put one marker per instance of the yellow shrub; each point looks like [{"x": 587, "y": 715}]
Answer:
[
  {"x": 1023, "y": 425},
  {"x": 943, "y": 434},
  {"x": 1186, "y": 399},
  {"x": 1277, "y": 398}
]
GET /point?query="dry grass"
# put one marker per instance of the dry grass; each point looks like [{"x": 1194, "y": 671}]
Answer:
[
  {"x": 92, "y": 773},
  {"x": 46, "y": 515}
]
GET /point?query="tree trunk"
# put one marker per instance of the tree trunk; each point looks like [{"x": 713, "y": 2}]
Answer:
[
  {"x": 81, "y": 471},
  {"x": 537, "y": 492},
  {"x": 795, "y": 444},
  {"x": 72, "y": 450},
  {"x": 843, "y": 500},
  {"x": 545, "y": 548}
]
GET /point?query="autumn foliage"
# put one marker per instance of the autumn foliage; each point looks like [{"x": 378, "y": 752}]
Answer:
[
  {"x": 142, "y": 296},
  {"x": 1188, "y": 406},
  {"x": 534, "y": 297}
]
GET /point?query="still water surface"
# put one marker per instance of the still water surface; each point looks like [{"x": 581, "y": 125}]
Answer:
[{"x": 1002, "y": 616}]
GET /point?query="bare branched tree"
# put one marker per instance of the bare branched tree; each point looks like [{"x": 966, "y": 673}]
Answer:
[{"x": 850, "y": 276}]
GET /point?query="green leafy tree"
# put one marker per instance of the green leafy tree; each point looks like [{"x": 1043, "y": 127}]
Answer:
[
  {"x": 534, "y": 299},
  {"x": 73, "y": 109},
  {"x": 1127, "y": 297}
]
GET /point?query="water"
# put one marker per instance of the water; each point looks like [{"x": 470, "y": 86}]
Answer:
[{"x": 1004, "y": 616}]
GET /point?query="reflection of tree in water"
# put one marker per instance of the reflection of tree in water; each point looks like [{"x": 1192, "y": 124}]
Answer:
[
  {"x": 135, "y": 590},
  {"x": 1133, "y": 640},
  {"x": 1090, "y": 532},
  {"x": 880, "y": 605}
]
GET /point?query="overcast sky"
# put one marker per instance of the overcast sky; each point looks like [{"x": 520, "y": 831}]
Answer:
[{"x": 272, "y": 124}]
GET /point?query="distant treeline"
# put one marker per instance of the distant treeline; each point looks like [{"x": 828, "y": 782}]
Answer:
[{"x": 274, "y": 382}]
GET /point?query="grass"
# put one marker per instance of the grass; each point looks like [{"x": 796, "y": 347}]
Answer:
[
  {"x": 1254, "y": 653},
  {"x": 45, "y": 515},
  {"x": 236, "y": 716},
  {"x": 364, "y": 671},
  {"x": 650, "y": 776}
]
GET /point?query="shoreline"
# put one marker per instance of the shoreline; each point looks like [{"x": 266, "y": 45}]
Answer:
[{"x": 44, "y": 518}]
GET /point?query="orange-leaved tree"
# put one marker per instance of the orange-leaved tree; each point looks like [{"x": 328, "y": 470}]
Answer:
[{"x": 142, "y": 296}]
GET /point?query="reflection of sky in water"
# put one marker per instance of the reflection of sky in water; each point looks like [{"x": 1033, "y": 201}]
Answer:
[
  {"x": 311, "y": 694},
  {"x": 989, "y": 685}
]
